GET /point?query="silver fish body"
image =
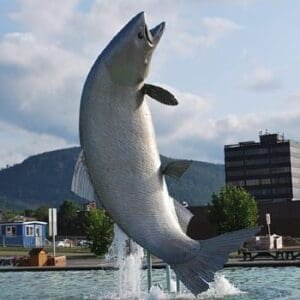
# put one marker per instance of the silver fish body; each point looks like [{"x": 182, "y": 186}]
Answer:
[{"x": 118, "y": 141}]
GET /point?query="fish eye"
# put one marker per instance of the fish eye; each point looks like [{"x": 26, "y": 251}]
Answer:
[{"x": 140, "y": 35}]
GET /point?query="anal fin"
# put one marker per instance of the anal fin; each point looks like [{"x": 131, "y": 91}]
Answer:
[{"x": 183, "y": 214}]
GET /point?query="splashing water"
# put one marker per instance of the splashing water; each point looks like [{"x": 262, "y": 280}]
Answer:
[
  {"x": 127, "y": 256},
  {"x": 156, "y": 293},
  {"x": 220, "y": 288}
]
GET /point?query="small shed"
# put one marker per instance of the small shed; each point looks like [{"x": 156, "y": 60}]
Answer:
[
  {"x": 38, "y": 257},
  {"x": 28, "y": 234}
]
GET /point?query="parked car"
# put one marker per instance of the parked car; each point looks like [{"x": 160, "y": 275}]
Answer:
[
  {"x": 65, "y": 243},
  {"x": 83, "y": 243}
]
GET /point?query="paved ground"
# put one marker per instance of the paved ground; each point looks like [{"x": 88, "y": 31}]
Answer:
[
  {"x": 262, "y": 263},
  {"x": 94, "y": 263}
]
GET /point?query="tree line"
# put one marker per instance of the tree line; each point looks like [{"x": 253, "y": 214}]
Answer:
[
  {"x": 95, "y": 225},
  {"x": 231, "y": 208}
]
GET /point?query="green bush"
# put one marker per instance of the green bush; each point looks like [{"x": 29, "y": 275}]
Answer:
[
  {"x": 233, "y": 208},
  {"x": 99, "y": 231}
]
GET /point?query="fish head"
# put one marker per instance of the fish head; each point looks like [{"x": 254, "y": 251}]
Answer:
[{"x": 127, "y": 57}]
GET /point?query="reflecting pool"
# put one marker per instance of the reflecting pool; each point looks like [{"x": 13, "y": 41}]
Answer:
[{"x": 231, "y": 283}]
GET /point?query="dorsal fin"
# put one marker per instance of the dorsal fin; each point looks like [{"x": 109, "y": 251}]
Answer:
[
  {"x": 176, "y": 168},
  {"x": 81, "y": 183}
]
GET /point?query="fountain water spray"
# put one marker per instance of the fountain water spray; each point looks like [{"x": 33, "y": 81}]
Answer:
[{"x": 127, "y": 256}]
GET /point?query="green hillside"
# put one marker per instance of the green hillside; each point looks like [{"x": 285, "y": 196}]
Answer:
[{"x": 46, "y": 179}]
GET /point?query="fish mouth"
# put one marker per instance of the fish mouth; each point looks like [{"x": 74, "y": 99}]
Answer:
[{"x": 153, "y": 35}]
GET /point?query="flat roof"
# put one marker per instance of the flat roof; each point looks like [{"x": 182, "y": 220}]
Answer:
[{"x": 22, "y": 222}]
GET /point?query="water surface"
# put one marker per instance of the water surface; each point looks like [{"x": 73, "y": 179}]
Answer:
[{"x": 245, "y": 283}]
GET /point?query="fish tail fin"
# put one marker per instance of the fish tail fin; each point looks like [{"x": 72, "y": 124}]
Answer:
[{"x": 209, "y": 257}]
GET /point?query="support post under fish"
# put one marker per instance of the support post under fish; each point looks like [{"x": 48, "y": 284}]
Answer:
[
  {"x": 149, "y": 270},
  {"x": 168, "y": 277},
  {"x": 177, "y": 285}
]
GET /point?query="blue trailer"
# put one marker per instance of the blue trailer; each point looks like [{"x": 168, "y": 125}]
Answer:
[{"x": 28, "y": 234}]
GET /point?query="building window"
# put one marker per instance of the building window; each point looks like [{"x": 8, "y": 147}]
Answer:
[
  {"x": 29, "y": 230},
  {"x": 265, "y": 181},
  {"x": 280, "y": 191},
  {"x": 236, "y": 163},
  {"x": 281, "y": 180},
  {"x": 250, "y": 182},
  {"x": 11, "y": 230},
  {"x": 256, "y": 151},
  {"x": 264, "y": 171},
  {"x": 261, "y": 181},
  {"x": 260, "y": 192},
  {"x": 281, "y": 149},
  {"x": 236, "y": 182},
  {"x": 280, "y": 170},
  {"x": 234, "y": 153},
  {"x": 256, "y": 161},
  {"x": 235, "y": 173},
  {"x": 280, "y": 159}
]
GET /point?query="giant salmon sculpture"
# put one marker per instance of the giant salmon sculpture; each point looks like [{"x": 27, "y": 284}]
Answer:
[{"x": 120, "y": 164}]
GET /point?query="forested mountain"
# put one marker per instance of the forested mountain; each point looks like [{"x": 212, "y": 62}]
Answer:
[{"x": 46, "y": 179}]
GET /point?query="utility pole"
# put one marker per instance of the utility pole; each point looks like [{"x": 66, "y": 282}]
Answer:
[{"x": 53, "y": 226}]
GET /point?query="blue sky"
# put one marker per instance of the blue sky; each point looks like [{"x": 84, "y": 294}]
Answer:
[{"x": 234, "y": 66}]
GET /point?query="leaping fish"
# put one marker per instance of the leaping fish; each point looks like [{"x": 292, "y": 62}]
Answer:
[{"x": 120, "y": 162}]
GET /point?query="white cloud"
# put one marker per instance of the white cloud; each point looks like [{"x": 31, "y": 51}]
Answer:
[
  {"x": 209, "y": 31},
  {"x": 40, "y": 84},
  {"x": 216, "y": 28},
  {"x": 42, "y": 71},
  {"x": 244, "y": 3},
  {"x": 42, "y": 68},
  {"x": 47, "y": 19},
  {"x": 20, "y": 143},
  {"x": 200, "y": 137},
  {"x": 293, "y": 97},
  {"x": 261, "y": 80},
  {"x": 173, "y": 121}
]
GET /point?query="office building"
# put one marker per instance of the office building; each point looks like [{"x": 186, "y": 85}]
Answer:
[{"x": 268, "y": 169}]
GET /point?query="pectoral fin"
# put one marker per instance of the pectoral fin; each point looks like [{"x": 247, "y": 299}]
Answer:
[
  {"x": 160, "y": 94},
  {"x": 81, "y": 183},
  {"x": 176, "y": 168}
]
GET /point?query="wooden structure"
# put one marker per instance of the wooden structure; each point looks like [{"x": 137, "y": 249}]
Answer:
[
  {"x": 38, "y": 257},
  {"x": 57, "y": 261},
  {"x": 286, "y": 253}
]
